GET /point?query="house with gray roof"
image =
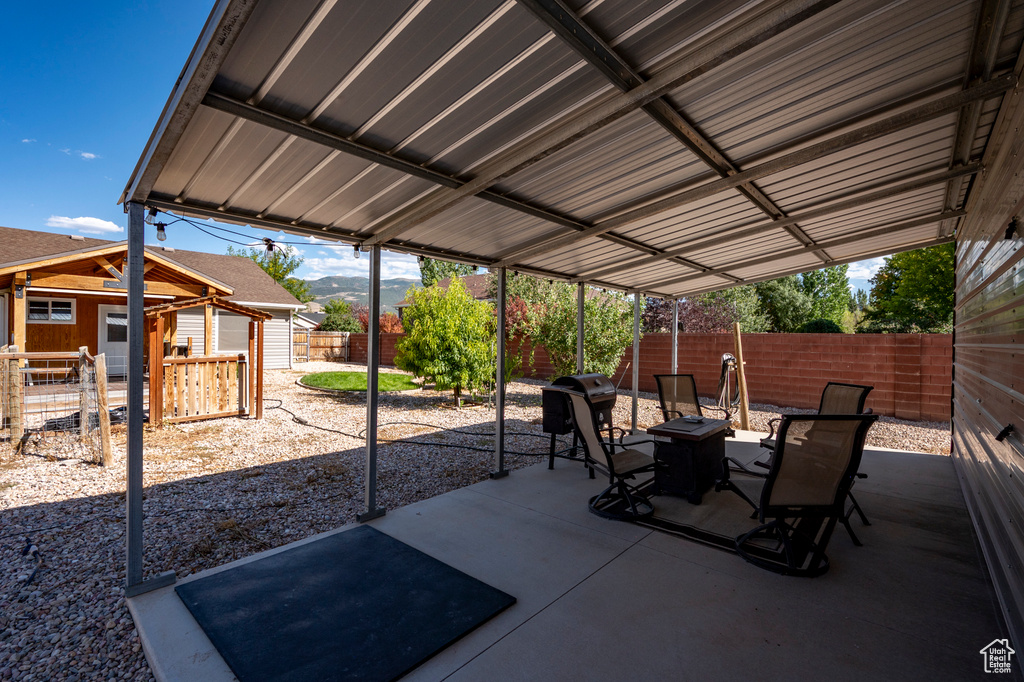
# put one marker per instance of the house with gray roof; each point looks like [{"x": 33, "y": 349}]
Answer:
[{"x": 59, "y": 292}]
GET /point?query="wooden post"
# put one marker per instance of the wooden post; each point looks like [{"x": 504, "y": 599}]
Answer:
[
  {"x": 156, "y": 371},
  {"x": 83, "y": 397},
  {"x": 172, "y": 330},
  {"x": 250, "y": 389},
  {"x": 208, "y": 330},
  {"x": 741, "y": 378},
  {"x": 19, "y": 315},
  {"x": 106, "y": 454},
  {"x": 14, "y": 396},
  {"x": 259, "y": 370}
]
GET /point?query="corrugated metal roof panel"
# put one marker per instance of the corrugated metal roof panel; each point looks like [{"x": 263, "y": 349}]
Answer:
[{"x": 485, "y": 93}]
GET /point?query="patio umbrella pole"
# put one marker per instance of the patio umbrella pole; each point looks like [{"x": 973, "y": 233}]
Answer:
[
  {"x": 499, "y": 383},
  {"x": 372, "y": 364},
  {"x": 636, "y": 359},
  {"x": 134, "y": 584}
]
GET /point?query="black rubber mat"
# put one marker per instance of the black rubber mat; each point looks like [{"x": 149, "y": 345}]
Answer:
[{"x": 357, "y": 605}]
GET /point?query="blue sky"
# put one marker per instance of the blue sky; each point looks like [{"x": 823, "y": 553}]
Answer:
[{"x": 83, "y": 84}]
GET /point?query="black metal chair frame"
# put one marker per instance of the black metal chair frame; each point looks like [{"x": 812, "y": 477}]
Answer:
[
  {"x": 769, "y": 444},
  {"x": 780, "y": 515},
  {"x": 673, "y": 414},
  {"x": 618, "y": 490}
]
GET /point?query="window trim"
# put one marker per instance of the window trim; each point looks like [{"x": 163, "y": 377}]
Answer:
[{"x": 49, "y": 308}]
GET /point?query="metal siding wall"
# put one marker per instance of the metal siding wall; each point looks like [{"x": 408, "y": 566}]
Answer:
[
  {"x": 988, "y": 370},
  {"x": 191, "y": 322},
  {"x": 276, "y": 341}
]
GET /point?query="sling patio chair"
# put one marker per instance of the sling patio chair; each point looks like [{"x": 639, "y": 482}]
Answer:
[
  {"x": 620, "y": 500},
  {"x": 836, "y": 398},
  {"x": 804, "y": 495},
  {"x": 677, "y": 394}
]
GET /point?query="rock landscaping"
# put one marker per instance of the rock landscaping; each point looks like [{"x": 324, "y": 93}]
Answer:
[{"x": 224, "y": 489}]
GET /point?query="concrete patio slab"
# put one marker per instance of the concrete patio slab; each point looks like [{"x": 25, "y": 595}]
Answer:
[{"x": 603, "y": 600}]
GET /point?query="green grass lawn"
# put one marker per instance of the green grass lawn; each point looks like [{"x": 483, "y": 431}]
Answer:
[{"x": 356, "y": 381}]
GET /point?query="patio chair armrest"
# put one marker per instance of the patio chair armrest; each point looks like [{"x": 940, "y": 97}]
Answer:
[{"x": 773, "y": 424}]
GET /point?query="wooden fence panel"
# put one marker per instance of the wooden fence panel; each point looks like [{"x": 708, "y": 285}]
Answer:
[
  {"x": 203, "y": 387},
  {"x": 300, "y": 345}
]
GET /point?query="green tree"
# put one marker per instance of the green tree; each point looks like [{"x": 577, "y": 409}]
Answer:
[
  {"x": 913, "y": 292},
  {"x": 433, "y": 271},
  {"x": 783, "y": 303},
  {"x": 447, "y": 338},
  {"x": 829, "y": 292},
  {"x": 340, "y": 318},
  {"x": 280, "y": 264},
  {"x": 546, "y": 313}
]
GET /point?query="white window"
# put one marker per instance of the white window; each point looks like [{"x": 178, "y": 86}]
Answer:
[{"x": 51, "y": 311}]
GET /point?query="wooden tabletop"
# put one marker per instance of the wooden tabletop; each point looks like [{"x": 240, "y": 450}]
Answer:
[{"x": 681, "y": 429}]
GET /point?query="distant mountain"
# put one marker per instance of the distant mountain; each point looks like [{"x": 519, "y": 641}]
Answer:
[{"x": 356, "y": 290}]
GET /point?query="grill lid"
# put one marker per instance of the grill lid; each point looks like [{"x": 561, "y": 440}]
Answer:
[{"x": 598, "y": 388}]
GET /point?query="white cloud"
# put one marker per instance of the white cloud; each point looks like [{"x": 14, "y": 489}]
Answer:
[
  {"x": 83, "y": 224},
  {"x": 865, "y": 269},
  {"x": 89, "y": 156},
  {"x": 392, "y": 265},
  {"x": 66, "y": 150},
  {"x": 28, "y": 141}
]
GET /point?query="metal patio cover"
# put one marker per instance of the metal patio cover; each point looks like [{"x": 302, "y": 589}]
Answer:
[{"x": 667, "y": 147}]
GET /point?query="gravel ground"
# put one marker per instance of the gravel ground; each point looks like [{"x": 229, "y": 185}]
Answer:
[{"x": 224, "y": 489}]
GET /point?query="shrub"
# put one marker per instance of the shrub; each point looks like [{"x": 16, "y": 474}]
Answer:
[
  {"x": 820, "y": 326},
  {"x": 447, "y": 338}
]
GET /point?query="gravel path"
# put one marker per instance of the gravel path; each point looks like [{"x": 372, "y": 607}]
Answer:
[{"x": 224, "y": 489}]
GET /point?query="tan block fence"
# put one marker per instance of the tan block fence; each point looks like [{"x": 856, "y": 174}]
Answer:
[{"x": 911, "y": 373}]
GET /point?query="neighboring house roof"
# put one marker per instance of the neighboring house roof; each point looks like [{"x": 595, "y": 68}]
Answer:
[
  {"x": 476, "y": 285},
  {"x": 313, "y": 318},
  {"x": 248, "y": 280}
]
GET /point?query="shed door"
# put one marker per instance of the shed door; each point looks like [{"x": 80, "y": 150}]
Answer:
[{"x": 113, "y": 338}]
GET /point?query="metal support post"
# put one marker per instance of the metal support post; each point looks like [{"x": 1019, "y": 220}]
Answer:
[
  {"x": 134, "y": 583},
  {"x": 372, "y": 367},
  {"x": 580, "y": 293},
  {"x": 636, "y": 360},
  {"x": 499, "y": 383},
  {"x": 675, "y": 336}
]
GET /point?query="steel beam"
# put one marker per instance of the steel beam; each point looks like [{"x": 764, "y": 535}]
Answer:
[
  {"x": 222, "y": 28},
  {"x": 588, "y": 45},
  {"x": 499, "y": 381},
  {"x": 863, "y": 236},
  {"x": 675, "y": 335},
  {"x": 813, "y": 152},
  {"x": 372, "y": 372},
  {"x": 135, "y": 269},
  {"x": 299, "y": 129},
  {"x": 888, "y": 251},
  {"x": 574, "y": 125},
  {"x": 636, "y": 359},
  {"x": 988, "y": 32},
  {"x": 580, "y": 296},
  {"x": 737, "y": 234}
]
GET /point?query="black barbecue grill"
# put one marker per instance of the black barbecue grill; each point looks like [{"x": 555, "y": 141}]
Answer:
[{"x": 597, "y": 389}]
